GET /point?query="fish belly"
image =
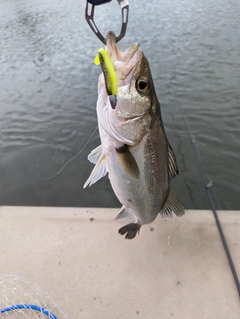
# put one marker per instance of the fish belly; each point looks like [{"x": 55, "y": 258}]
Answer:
[{"x": 140, "y": 177}]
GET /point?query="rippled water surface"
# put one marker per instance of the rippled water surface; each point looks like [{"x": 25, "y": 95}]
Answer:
[{"x": 48, "y": 93}]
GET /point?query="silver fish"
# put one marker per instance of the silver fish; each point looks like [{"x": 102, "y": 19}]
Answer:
[{"x": 134, "y": 149}]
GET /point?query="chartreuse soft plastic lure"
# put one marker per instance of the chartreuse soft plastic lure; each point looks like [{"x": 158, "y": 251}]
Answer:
[{"x": 109, "y": 75}]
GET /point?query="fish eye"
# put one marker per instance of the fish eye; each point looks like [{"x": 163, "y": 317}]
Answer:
[{"x": 142, "y": 85}]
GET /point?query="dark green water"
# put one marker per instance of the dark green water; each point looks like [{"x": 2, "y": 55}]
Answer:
[{"x": 48, "y": 93}]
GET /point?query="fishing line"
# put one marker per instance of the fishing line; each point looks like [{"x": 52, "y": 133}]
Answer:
[
  {"x": 71, "y": 159},
  {"x": 207, "y": 189}
]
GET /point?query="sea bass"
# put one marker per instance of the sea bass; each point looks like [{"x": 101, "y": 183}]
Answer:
[{"x": 134, "y": 149}]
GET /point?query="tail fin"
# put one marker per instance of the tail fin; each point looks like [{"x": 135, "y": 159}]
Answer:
[{"x": 130, "y": 230}]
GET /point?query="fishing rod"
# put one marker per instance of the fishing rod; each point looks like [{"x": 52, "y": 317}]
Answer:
[{"x": 207, "y": 189}]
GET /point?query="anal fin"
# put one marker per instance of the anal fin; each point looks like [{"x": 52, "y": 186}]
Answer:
[{"x": 123, "y": 214}]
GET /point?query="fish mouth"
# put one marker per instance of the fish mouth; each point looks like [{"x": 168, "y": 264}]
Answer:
[{"x": 124, "y": 63}]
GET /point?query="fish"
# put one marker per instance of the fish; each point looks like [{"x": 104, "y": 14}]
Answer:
[{"x": 134, "y": 150}]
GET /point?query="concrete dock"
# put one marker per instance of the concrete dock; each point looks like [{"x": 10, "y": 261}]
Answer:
[{"x": 175, "y": 269}]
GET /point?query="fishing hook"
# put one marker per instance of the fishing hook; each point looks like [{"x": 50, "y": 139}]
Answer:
[{"x": 89, "y": 16}]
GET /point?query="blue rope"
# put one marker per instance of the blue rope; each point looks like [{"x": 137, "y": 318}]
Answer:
[{"x": 26, "y": 306}]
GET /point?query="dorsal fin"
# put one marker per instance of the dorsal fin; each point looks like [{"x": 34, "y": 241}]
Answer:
[
  {"x": 172, "y": 205},
  {"x": 172, "y": 163}
]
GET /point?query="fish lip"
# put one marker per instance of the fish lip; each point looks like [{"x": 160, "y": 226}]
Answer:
[
  {"x": 113, "y": 50},
  {"x": 115, "y": 53},
  {"x": 121, "y": 58}
]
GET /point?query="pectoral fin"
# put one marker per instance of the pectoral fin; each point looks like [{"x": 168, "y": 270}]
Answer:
[
  {"x": 98, "y": 172},
  {"x": 172, "y": 163},
  {"x": 172, "y": 205},
  {"x": 128, "y": 161}
]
